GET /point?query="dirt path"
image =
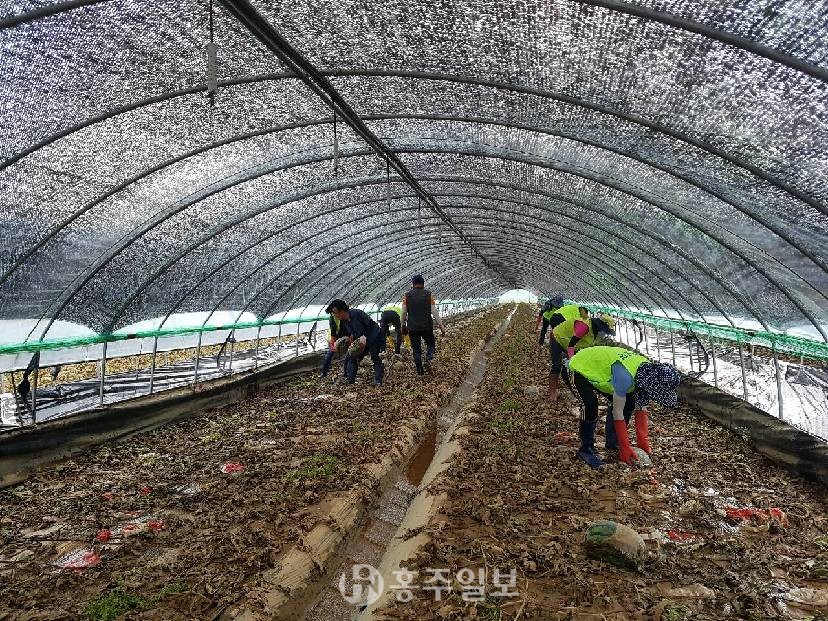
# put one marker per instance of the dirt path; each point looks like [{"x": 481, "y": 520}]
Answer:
[
  {"x": 167, "y": 533},
  {"x": 518, "y": 498}
]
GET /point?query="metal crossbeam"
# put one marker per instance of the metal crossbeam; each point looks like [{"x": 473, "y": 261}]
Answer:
[{"x": 251, "y": 19}]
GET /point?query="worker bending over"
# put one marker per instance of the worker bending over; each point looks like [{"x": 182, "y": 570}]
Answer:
[
  {"x": 545, "y": 315},
  {"x": 631, "y": 381},
  {"x": 366, "y": 338},
  {"x": 573, "y": 330},
  {"x": 392, "y": 317},
  {"x": 336, "y": 330},
  {"x": 419, "y": 315}
]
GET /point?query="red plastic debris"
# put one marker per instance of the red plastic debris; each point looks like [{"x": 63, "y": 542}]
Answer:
[
  {"x": 103, "y": 535},
  {"x": 108, "y": 496},
  {"x": 563, "y": 436},
  {"x": 131, "y": 529},
  {"x": 156, "y": 525},
  {"x": 232, "y": 468},
  {"x": 80, "y": 560},
  {"x": 145, "y": 491},
  {"x": 761, "y": 515},
  {"x": 677, "y": 535}
]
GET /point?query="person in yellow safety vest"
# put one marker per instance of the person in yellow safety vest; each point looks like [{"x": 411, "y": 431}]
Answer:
[
  {"x": 573, "y": 330},
  {"x": 630, "y": 381},
  {"x": 391, "y": 317},
  {"x": 545, "y": 315}
]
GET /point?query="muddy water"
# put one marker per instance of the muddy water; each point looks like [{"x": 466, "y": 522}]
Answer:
[{"x": 369, "y": 546}]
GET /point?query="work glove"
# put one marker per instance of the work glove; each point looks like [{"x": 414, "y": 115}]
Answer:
[
  {"x": 570, "y": 351},
  {"x": 642, "y": 432},
  {"x": 566, "y": 364},
  {"x": 625, "y": 452}
]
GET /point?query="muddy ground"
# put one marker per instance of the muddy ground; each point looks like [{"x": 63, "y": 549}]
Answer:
[
  {"x": 518, "y": 498},
  {"x": 174, "y": 523}
]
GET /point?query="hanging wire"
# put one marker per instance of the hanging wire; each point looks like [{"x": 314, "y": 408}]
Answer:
[
  {"x": 335, "y": 148},
  {"x": 212, "y": 72},
  {"x": 388, "y": 185}
]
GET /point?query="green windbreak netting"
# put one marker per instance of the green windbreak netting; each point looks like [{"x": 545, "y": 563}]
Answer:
[
  {"x": 287, "y": 320},
  {"x": 660, "y": 156},
  {"x": 782, "y": 343}
]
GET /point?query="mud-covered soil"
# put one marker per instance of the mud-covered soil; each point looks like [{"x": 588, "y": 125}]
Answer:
[
  {"x": 174, "y": 523},
  {"x": 518, "y": 498}
]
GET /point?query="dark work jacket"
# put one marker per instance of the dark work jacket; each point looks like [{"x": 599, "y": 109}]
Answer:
[
  {"x": 362, "y": 325},
  {"x": 418, "y": 304}
]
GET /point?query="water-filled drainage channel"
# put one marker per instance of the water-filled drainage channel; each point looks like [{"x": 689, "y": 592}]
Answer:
[{"x": 396, "y": 506}]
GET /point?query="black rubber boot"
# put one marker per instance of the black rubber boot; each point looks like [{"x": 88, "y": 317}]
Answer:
[{"x": 587, "y": 454}]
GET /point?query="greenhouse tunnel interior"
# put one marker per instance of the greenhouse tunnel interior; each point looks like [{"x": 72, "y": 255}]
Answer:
[{"x": 189, "y": 175}]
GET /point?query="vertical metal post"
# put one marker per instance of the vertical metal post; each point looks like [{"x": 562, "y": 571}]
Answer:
[
  {"x": 655, "y": 343},
  {"x": 152, "y": 364},
  {"x": 197, "y": 358},
  {"x": 279, "y": 339},
  {"x": 646, "y": 340},
  {"x": 232, "y": 343},
  {"x": 298, "y": 324},
  {"x": 690, "y": 353},
  {"x": 103, "y": 372},
  {"x": 744, "y": 375},
  {"x": 256, "y": 353},
  {"x": 753, "y": 369},
  {"x": 778, "y": 383},
  {"x": 715, "y": 367},
  {"x": 34, "y": 387},
  {"x": 673, "y": 347}
]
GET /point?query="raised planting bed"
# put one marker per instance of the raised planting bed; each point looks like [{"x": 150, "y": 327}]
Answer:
[
  {"x": 188, "y": 521},
  {"x": 728, "y": 533}
]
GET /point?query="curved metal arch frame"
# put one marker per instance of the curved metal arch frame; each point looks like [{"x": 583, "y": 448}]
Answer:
[
  {"x": 273, "y": 279},
  {"x": 776, "y": 230},
  {"x": 332, "y": 274},
  {"x": 161, "y": 217},
  {"x": 442, "y": 77},
  {"x": 674, "y": 21},
  {"x": 449, "y": 118},
  {"x": 241, "y": 281},
  {"x": 640, "y": 230},
  {"x": 563, "y": 169},
  {"x": 247, "y": 216},
  {"x": 157, "y": 219},
  {"x": 574, "y": 101},
  {"x": 805, "y": 313},
  {"x": 437, "y": 263},
  {"x": 630, "y": 257},
  {"x": 282, "y": 252},
  {"x": 312, "y": 291},
  {"x": 599, "y": 178},
  {"x": 562, "y": 258},
  {"x": 266, "y": 286},
  {"x": 536, "y": 268}
]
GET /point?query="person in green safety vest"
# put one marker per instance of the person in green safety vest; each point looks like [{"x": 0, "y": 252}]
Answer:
[
  {"x": 389, "y": 318},
  {"x": 545, "y": 315},
  {"x": 630, "y": 381},
  {"x": 573, "y": 330}
]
